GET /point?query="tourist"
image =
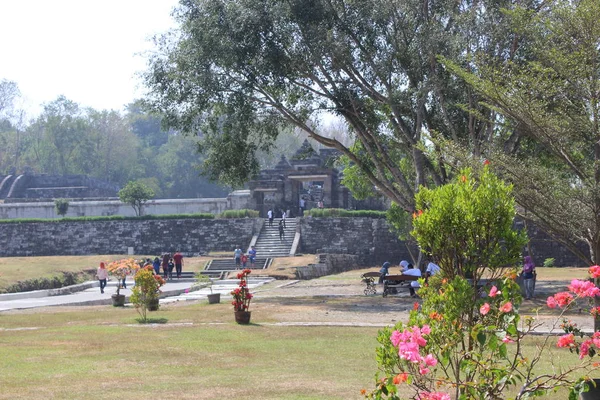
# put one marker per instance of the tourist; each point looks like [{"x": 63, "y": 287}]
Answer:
[
  {"x": 320, "y": 204},
  {"x": 281, "y": 231},
  {"x": 165, "y": 264},
  {"x": 385, "y": 270},
  {"x": 244, "y": 260},
  {"x": 171, "y": 267},
  {"x": 404, "y": 266},
  {"x": 178, "y": 258},
  {"x": 283, "y": 215},
  {"x": 156, "y": 265},
  {"x": 528, "y": 275},
  {"x": 302, "y": 204},
  {"x": 431, "y": 270},
  {"x": 252, "y": 256},
  {"x": 102, "y": 275},
  {"x": 237, "y": 255},
  {"x": 270, "y": 215},
  {"x": 412, "y": 271}
]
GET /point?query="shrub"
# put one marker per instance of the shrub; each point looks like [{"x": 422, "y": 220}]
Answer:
[
  {"x": 244, "y": 213},
  {"x": 340, "y": 212},
  {"x": 61, "y": 206},
  {"x": 549, "y": 262},
  {"x": 107, "y": 218},
  {"x": 146, "y": 290}
]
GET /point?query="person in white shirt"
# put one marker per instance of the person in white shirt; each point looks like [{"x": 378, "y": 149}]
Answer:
[
  {"x": 270, "y": 215},
  {"x": 413, "y": 284},
  {"x": 404, "y": 265},
  {"x": 432, "y": 269},
  {"x": 283, "y": 215}
]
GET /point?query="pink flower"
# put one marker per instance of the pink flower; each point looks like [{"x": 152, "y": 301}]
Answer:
[
  {"x": 423, "y": 370},
  {"x": 584, "y": 288},
  {"x": 594, "y": 271},
  {"x": 551, "y": 302},
  {"x": 506, "y": 307},
  {"x": 507, "y": 339},
  {"x": 596, "y": 339},
  {"x": 433, "y": 396},
  {"x": 584, "y": 349},
  {"x": 187, "y": 291},
  {"x": 484, "y": 309},
  {"x": 430, "y": 360},
  {"x": 563, "y": 299},
  {"x": 494, "y": 291},
  {"x": 425, "y": 330},
  {"x": 566, "y": 340},
  {"x": 395, "y": 338}
]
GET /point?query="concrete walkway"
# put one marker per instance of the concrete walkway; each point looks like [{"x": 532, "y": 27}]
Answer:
[{"x": 89, "y": 294}]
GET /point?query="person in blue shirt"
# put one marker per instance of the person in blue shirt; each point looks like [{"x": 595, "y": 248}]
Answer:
[
  {"x": 385, "y": 270},
  {"x": 252, "y": 256}
]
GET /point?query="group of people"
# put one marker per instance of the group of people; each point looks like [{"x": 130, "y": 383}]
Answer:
[
  {"x": 241, "y": 259},
  {"x": 406, "y": 268},
  {"x": 282, "y": 226},
  {"x": 167, "y": 261}
]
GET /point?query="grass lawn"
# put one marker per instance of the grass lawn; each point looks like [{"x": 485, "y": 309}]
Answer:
[{"x": 200, "y": 353}]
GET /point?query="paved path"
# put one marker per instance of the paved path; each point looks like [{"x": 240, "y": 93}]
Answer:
[{"x": 90, "y": 294}]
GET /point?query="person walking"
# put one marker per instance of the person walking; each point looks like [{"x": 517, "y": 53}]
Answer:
[
  {"x": 237, "y": 255},
  {"x": 165, "y": 265},
  {"x": 283, "y": 216},
  {"x": 102, "y": 275},
  {"x": 528, "y": 277},
  {"x": 302, "y": 205},
  {"x": 178, "y": 258},
  {"x": 281, "y": 231},
  {"x": 270, "y": 215},
  {"x": 156, "y": 265},
  {"x": 252, "y": 256},
  {"x": 171, "y": 267}
]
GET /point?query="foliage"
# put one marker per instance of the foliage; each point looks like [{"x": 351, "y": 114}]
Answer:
[
  {"x": 57, "y": 281},
  {"x": 467, "y": 226},
  {"x": 136, "y": 194},
  {"x": 549, "y": 262},
  {"x": 202, "y": 281},
  {"x": 469, "y": 344},
  {"x": 241, "y": 294},
  {"x": 61, "y": 206},
  {"x": 244, "y": 213},
  {"x": 146, "y": 290},
  {"x": 121, "y": 268},
  {"x": 107, "y": 218},
  {"x": 548, "y": 144},
  {"x": 339, "y": 212},
  {"x": 240, "y": 71}
]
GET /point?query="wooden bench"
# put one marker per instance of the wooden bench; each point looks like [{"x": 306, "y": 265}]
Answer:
[
  {"x": 396, "y": 281},
  {"x": 368, "y": 278}
]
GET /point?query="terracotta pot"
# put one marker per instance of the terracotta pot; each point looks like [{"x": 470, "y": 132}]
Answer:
[
  {"x": 593, "y": 393},
  {"x": 153, "y": 305},
  {"x": 214, "y": 298},
  {"x": 118, "y": 300},
  {"x": 242, "y": 317}
]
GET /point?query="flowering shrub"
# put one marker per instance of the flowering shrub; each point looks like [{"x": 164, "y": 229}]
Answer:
[
  {"x": 241, "y": 294},
  {"x": 121, "y": 268},
  {"x": 146, "y": 290}
]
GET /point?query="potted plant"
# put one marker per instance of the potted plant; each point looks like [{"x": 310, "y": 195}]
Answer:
[
  {"x": 120, "y": 269},
  {"x": 241, "y": 298},
  {"x": 146, "y": 291},
  {"x": 203, "y": 281}
]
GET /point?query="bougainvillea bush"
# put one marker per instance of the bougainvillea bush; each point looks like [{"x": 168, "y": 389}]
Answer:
[
  {"x": 241, "y": 294},
  {"x": 121, "y": 268}
]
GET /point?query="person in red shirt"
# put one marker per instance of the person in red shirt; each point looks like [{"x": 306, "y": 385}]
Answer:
[{"x": 178, "y": 258}]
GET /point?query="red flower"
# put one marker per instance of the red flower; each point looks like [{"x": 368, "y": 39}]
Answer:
[
  {"x": 486, "y": 163},
  {"x": 416, "y": 305},
  {"x": 566, "y": 340},
  {"x": 595, "y": 271}
]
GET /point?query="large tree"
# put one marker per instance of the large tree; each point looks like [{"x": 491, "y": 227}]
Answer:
[
  {"x": 239, "y": 70},
  {"x": 549, "y": 114}
]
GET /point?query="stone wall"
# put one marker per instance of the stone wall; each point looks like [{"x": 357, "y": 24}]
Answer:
[
  {"x": 147, "y": 237},
  {"x": 372, "y": 241}
]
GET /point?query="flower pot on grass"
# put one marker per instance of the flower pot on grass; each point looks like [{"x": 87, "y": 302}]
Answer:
[
  {"x": 242, "y": 317},
  {"x": 153, "y": 305},
  {"x": 118, "y": 300},
  {"x": 214, "y": 298},
  {"x": 593, "y": 392}
]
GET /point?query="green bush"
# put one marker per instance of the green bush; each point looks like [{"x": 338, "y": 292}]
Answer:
[
  {"x": 244, "y": 213},
  {"x": 340, "y": 212},
  {"x": 108, "y": 218},
  {"x": 61, "y": 206},
  {"x": 549, "y": 262}
]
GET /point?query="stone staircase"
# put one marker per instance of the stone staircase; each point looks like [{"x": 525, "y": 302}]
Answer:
[
  {"x": 217, "y": 266},
  {"x": 268, "y": 243}
]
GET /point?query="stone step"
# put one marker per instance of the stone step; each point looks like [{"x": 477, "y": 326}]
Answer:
[{"x": 225, "y": 264}]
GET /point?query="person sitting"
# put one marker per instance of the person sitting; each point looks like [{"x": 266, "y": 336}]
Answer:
[
  {"x": 404, "y": 266},
  {"x": 385, "y": 270},
  {"x": 412, "y": 271},
  {"x": 431, "y": 270}
]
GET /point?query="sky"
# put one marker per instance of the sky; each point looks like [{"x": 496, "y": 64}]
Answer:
[{"x": 86, "y": 50}]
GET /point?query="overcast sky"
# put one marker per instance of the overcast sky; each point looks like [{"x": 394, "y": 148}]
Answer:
[{"x": 87, "y": 50}]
